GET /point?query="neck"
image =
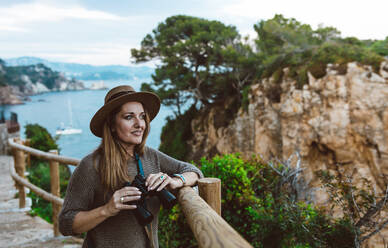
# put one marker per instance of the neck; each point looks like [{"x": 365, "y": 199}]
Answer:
[{"x": 129, "y": 148}]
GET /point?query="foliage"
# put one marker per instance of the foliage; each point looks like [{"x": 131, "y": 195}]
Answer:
[
  {"x": 40, "y": 138},
  {"x": 288, "y": 43},
  {"x": 268, "y": 214},
  {"x": 36, "y": 73},
  {"x": 175, "y": 134},
  {"x": 39, "y": 170},
  {"x": 260, "y": 202},
  {"x": 200, "y": 60},
  {"x": 174, "y": 231},
  {"x": 204, "y": 62},
  {"x": 245, "y": 98},
  {"x": 380, "y": 47},
  {"x": 12, "y": 75},
  {"x": 365, "y": 209}
]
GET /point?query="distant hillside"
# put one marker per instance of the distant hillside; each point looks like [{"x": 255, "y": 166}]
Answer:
[
  {"x": 18, "y": 82},
  {"x": 86, "y": 72}
]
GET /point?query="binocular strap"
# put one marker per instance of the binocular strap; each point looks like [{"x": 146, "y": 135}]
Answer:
[{"x": 148, "y": 227}]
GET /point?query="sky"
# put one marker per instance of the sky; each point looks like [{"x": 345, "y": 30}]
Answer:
[{"x": 101, "y": 32}]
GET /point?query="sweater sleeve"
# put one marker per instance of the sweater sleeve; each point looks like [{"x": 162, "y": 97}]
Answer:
[
  {"x": 171, "y": 165},
  {"x": 79, "y": 195}
]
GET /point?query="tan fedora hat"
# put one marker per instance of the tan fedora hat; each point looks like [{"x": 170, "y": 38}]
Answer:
[{"x": 117, "y": 97}]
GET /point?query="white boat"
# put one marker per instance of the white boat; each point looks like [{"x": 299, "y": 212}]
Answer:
[{"x": 66, "y": 130}]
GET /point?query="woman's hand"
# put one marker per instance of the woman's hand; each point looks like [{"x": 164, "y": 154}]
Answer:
[
  {"x": 119, "y": 198},
  {"x": 160, "y": 180}
]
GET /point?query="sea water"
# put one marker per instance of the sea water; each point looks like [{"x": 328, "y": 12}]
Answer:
[{"x": 51, "y": 109}]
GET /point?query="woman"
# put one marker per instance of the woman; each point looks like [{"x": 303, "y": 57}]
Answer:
[{"x": 96, "y": 201}]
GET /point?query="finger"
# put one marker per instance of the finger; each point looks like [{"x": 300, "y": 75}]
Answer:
[
  {"x": 163, "y": 177},
  {"x": 130, "y": 188},
  {"x": 151, "y": 177},
  {"x": 125, "y": 199},
  {"x": 155, "y": 184},
  {"x": 124, "y": 192},
  {"x": 129, "y": 191},
  {"x": 164, "y": 184},
  {"x": 154, "y": 179},
  {"x": 125, "y": 206}
]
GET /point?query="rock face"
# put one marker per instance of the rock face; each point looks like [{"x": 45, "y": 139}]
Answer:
[
  {"x": 20, "y": 82},
  {"x": 10, "y": 95},
  {"x": 337, "y": 123}
]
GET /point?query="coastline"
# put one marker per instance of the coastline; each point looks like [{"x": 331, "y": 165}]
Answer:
[{"x": 51, "y": 108}]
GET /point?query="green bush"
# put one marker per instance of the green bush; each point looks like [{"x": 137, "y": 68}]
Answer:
[
  {"x": 175, "y": 133},
  {"x": 259, "y": 201},
  {"x": 174, "y": 231},
  {"x": 362, "y": 205},
  {"x": 284, "y": 42},
  {"x": 39, "y": 170},
  {"x": 40, "y": 138},
  {"x": 380, "y": 47}
]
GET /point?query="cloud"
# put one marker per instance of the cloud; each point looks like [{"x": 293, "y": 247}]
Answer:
[
  {"x": 18, "y": 17},
  {"x": 95, "y": 53},
  {"x": 365, "y": 20}
]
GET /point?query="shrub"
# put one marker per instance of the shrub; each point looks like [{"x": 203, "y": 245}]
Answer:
[
  {"x": 40, "y": 138},
  {"x": 380, "y": 47},
  {"x": 174, "y": 231},
  {"x": 288, "y": 43},
  {"x": 365, "y": 209},
  {"x": 175, "y": 134},
  {"x": 259, "y": 201},
  {"x": 39, "y": 170}
]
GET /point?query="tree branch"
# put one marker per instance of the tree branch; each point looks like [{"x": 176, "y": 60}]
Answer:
[
  {"x": 378, "y": 229},
  {"x": 372, "y": 211}
]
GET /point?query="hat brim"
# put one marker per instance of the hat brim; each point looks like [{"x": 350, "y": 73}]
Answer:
[{"x": 150, "y": 101}]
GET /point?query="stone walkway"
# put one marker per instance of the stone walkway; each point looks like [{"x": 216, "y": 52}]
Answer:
[{"x": 17, "y": 227}]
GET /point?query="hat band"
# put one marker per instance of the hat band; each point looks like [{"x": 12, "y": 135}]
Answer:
[{"x": 118, "y": 94}]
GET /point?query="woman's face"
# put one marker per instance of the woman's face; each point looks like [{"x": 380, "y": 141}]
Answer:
[{"x": 130, "y": 123}]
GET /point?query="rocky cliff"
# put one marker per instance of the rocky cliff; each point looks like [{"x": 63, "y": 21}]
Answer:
[
  {"x": 337, "y": 123},
  {"x": 19, "y": 82}
]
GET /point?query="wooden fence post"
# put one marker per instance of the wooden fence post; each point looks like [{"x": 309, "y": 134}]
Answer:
[
  {"x": 210, "y": 191},
  {"x": 27, "y": 142},
  {"x": 55, "y": 190},
  {"x": 20, "y": 167},
  {"x": 209, "y": 229}
]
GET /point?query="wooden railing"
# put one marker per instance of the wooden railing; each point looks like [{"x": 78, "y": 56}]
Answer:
[
  {"x": 209, "y": 228},
  {"x": 17, "y": 173}
]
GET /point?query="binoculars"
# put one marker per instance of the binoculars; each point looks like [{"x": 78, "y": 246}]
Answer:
[{"x": 143, "y": 216}]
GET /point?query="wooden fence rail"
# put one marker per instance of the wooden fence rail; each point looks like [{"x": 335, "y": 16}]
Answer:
[
  {"x": 43, "y": 155},
  {"x": 209, "y": 228}
]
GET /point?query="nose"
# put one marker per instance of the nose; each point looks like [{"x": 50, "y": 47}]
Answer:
[{"x": 139, "y": 123}]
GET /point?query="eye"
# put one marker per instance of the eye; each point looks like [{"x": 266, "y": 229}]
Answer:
[
  {"x": 128, "y": 117},
  {"x": 142, "y": 116}
]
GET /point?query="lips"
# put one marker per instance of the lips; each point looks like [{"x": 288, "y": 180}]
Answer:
[{"x": 137, "y": 133}]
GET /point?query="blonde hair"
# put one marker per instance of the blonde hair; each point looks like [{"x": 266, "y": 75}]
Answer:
[{"x": 112, "y": 165}]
